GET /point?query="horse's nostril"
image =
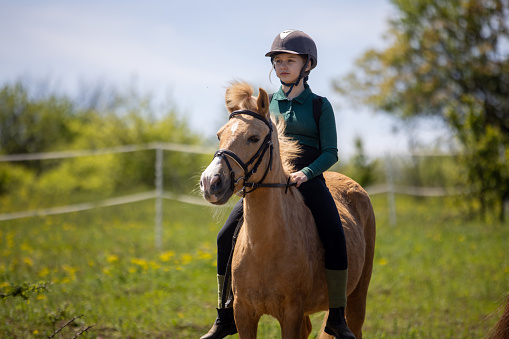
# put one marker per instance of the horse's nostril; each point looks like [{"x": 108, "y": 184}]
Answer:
[{"x": 215, "y": 183}]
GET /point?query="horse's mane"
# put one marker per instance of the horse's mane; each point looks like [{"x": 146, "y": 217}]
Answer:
[{"x": 239, "y": 95}]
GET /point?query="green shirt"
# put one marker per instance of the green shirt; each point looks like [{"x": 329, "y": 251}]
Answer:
[{"x": 301, "y": 126}]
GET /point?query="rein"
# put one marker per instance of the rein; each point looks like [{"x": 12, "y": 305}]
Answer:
[{"x": 256, "y": 159}]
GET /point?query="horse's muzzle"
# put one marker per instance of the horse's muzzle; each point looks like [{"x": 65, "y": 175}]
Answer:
[{"x": 215, "y": 186}]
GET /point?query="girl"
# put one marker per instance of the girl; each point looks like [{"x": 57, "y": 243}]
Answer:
[{"x": 293, "y": 55}]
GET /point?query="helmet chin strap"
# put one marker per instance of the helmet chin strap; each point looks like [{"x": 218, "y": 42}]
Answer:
[
  {"x": 296, "y": 83},
  {"x": 291, "y": 85}
]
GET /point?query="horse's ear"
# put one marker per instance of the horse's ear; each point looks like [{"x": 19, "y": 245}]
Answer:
[
  {"x": 229, "y": 102},
  {"x": 263, "y": 104}
]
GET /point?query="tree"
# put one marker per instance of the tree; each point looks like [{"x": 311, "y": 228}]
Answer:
[
  {"x": 98, "y": 119},
  {"x": 444, "y": 55},
  {"x": 364, "y": 169},
  {"x": 32, "y": 124}
]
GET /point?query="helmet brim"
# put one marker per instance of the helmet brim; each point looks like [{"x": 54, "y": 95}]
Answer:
[{"x": 279, "y": 51}]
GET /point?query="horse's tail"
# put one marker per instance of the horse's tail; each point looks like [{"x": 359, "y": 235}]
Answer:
[{"x": 501, "y": 328}]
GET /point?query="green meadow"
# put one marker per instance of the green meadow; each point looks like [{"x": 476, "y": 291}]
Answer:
[{"x": 436, "y": 275}]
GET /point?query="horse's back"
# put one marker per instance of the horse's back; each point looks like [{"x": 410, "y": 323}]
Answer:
[{"x": 352, "y": 200}]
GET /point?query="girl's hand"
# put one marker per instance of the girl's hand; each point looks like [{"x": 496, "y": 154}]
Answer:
[{"x": 298, "y": 178}]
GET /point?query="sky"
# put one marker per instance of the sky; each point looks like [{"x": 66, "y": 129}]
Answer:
[{"x": 187, "y": 52}]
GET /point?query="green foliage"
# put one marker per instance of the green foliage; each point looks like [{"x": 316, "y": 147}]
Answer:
[
  {"x": 46, "y": 123},
  {"x": 23, "y": 290},
  {"x": 486, "y": 159},
  {"x": 441, "y": 52},
  {"x": 361, "y": 168},
  {"x": 32, "y": 125}
]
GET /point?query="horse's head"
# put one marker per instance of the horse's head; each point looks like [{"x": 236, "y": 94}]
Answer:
[{"x": 245, "y": 145}]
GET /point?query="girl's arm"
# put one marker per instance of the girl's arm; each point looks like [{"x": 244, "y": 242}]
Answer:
[{"x": 328, "y": 140}]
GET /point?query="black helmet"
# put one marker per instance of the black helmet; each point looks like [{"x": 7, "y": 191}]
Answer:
[{"x": 294, "y": 42}]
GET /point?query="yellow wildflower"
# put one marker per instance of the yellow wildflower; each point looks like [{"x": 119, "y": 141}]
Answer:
[
  {"x": 166, "y": 256},
  {"x": 140, "y": 262},
  {"x": 112, "y": 258},
  {"x": 44, "y": 272},
  {"x": 186, "y": 258}
]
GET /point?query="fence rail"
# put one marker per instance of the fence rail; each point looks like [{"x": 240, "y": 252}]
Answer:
[
  {"x": 111, "y": 150},
  {"x": 158, "y": 194}
]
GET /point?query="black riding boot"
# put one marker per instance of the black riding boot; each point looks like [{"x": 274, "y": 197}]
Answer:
[
  {"x": 223, "y": 326},
  {"x": 336, "y": 324}
]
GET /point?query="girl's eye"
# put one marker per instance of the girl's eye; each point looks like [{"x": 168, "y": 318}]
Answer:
[{"x": 253, "y": 139}]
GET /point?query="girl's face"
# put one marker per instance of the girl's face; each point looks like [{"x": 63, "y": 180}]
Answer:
[{"x": 288, "y": 66}]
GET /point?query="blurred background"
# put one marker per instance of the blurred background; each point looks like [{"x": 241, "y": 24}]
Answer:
[{"x": 109, "y": 106}]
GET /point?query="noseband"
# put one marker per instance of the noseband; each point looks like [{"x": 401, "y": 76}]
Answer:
[{"x": 256, "y": 159}]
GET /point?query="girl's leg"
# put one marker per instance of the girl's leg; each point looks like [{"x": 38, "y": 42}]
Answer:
[
  {"x": 328, "y": 223},
  {"x": 225, "y": 236}
]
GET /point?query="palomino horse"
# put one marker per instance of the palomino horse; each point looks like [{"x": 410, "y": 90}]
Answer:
[{"x": 278, "y": 265}]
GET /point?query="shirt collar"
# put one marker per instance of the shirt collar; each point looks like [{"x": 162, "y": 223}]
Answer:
[{"x": 280, "y": 95}]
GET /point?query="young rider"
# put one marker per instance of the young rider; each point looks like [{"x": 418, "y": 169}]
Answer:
[{"x": 293, "y": 55}]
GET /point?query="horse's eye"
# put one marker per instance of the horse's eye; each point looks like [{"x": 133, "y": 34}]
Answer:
[{"x": 254, "y": 139}]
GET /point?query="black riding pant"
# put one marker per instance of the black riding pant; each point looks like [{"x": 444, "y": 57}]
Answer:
[{"x": 328, "y": 223}]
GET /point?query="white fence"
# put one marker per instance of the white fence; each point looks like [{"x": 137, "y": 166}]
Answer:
[{"x": 158, "y": 194}]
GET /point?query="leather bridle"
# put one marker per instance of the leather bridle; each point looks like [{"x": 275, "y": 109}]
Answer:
[{"x": 256, "y": 159}]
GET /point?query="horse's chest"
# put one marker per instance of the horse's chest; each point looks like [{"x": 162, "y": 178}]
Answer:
[{"x": 268, "y": 272}]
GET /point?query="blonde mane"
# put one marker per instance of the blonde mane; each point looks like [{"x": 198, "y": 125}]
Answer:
[
  {"x": 288, "y": 148},
  {"x": 239, "y": 95}
]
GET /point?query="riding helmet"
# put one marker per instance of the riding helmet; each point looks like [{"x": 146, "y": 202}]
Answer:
[{"x": 294, "y": 42}]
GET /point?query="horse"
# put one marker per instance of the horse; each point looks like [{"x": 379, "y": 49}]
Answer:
[{"x": 278, "y": 261}]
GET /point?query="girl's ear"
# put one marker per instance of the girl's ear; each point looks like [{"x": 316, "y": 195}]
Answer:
[
  {"x": 263, "y": 104},
  {"x": 308, "y": 65}
]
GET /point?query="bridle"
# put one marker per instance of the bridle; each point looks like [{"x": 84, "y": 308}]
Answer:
[{"x": 256, "y": 159}]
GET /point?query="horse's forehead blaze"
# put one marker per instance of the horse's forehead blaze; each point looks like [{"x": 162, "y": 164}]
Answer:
[
  {"x": 234, "y": 133},
  {"x": 234, "y": 126}
]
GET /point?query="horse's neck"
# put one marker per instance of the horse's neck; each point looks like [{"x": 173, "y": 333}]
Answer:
[{"x": 266, "y": 211}]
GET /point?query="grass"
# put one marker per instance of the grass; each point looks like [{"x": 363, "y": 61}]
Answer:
[{"x": 435, "y": 276}]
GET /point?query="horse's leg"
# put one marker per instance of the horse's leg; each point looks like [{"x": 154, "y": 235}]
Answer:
[
  {"x": 322, "y": 334},
  {"x": 246, "y": 320},
  {"x": 292, "y": 324},
  {"x": 355, "y": 312},
  {"x": 306, "y": 327}
]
